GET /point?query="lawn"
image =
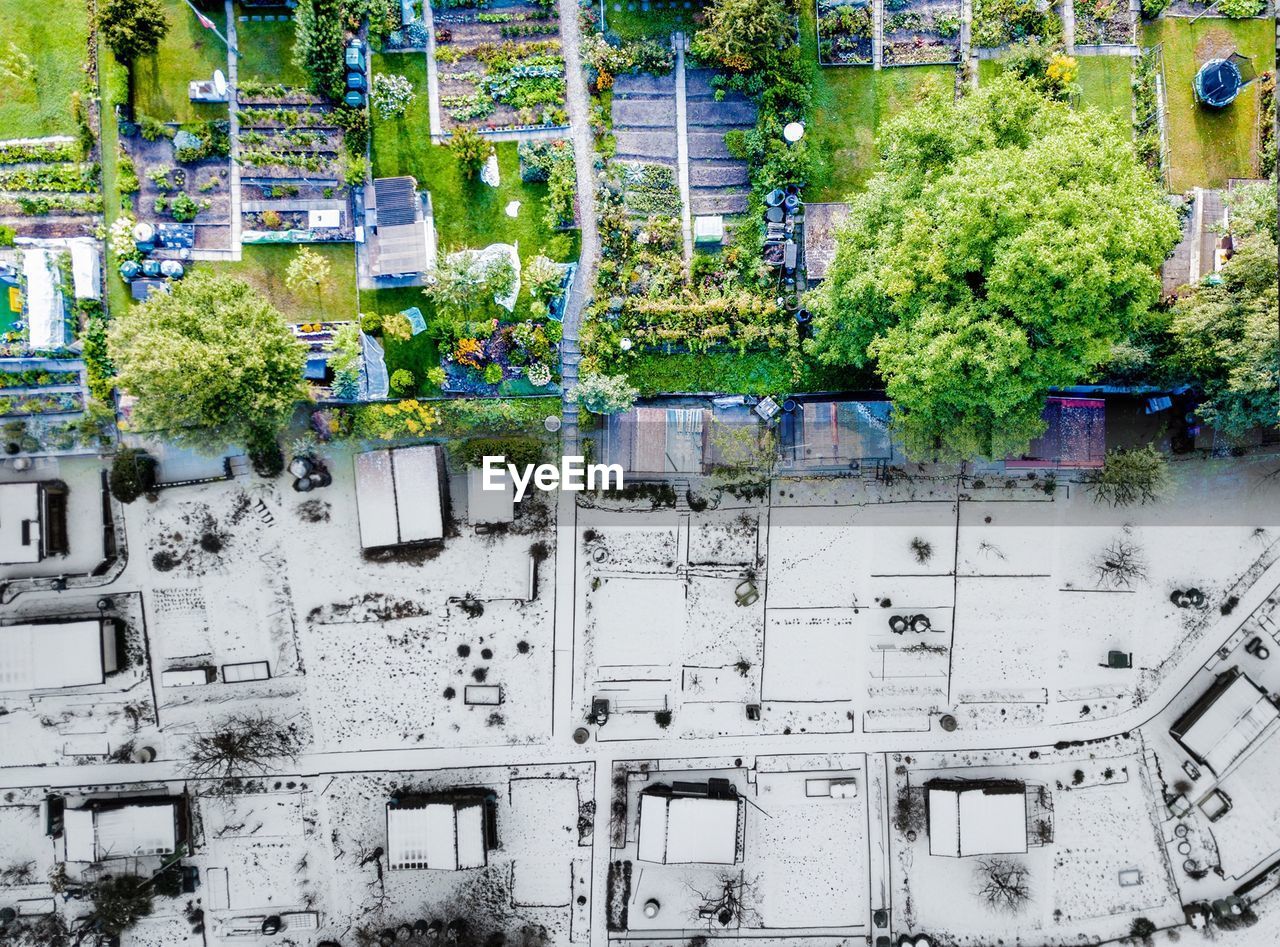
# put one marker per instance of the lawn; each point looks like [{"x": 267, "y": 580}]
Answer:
[
  {"x": 468, "y": 213},
  {"x": 416, "y": 354},
  {"x": 53, "y": 36},
  {"x": 1208, "y": 146},
  {"x": 263, "y": 266},
  {"x": 266, "y": 50},
  {"x": 187, "y": 52},
  {"x": 628, "y": 20},
  {"x": 754, "y": 373},
  {"x": 1106, "y": 83},
  {"x": 849, "y": 105}
]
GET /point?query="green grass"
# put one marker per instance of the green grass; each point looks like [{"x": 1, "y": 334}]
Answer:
[
  {"x": 468, "y": 213},
  {"x": 1106, "y": 83},
  {"x": 187, "y": 52},
  {"x": 989, "y": 69},
  {"x": 653, "y": 23},
  {"x": 114, "y": 81},
  {"x": 266, "y": 51},
  {"x": 263, "y": 267},
  {"x": 757, "y": 373},
  {"x": 53, "y": 35},
  {"x": 418, "y": 353},
  {"x": 849, "y": 105},
  {"x": 1208, "y": 146}
]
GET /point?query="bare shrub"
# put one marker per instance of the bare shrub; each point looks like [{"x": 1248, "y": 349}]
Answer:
[
  {"x": 1003, "y": 884},
  {"x": 241, "y": 745},
  {"x": 1119, "y": 565},
  {"x": 730, "y": 902}
]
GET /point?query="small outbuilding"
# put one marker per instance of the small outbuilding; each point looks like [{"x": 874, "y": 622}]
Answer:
[
  {"x": 487, "y": 507},
  {"x": 446, "y": 835},
  {"x": 21, "y": 523},
  {"x": 57, "y": 655},
  {"x": 1225, "y": 721},
  {"x": 120, "y": 830},
  {"x": 399, "y": 242},
  {"x": 976, "y": 817},
  {"x": 400, "y": 496},
  {"x": 690, "y": 828}
]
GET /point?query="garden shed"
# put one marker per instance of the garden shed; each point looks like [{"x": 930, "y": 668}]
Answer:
[
  {"x": 976, "y": 817},
  {"x": 1225, "y": 721},
  {"x": 444, "y": 835},
  {"x": 399, "y": 245},
  {"x": 21, "y": 523},
  {"x": 490, "y": 506},
  {"x": 689, "y": 829},
  {"x": 821, "y": 222},
  {"x": 826, "y": 433},
  {"x": 658, "y": 440},
  {"x": 123, "y": 830},
  {"x": 37, "y": 657},
  {"x": 400, "y": 496},
  {"x": 1075, "y": 436}
]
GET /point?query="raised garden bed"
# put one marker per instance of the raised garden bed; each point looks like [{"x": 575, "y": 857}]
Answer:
[
  {"x": 1104, "y": 23},
  {"x": 921, "y": 31},
  {"x": 500, "y": 69},
  {"x": 999, "y": 23},
  {"x": 845, "y": 31},
  {"x": 38, "y": 378},
  {"x": 17, "y": 404},
  {"x": 650, "y": 189}
]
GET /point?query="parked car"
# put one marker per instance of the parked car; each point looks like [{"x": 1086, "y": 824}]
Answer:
[{"x": 355, "y": 55}]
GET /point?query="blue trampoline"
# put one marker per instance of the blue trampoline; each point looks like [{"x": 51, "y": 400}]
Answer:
[{"x": 1218, "y": 83}]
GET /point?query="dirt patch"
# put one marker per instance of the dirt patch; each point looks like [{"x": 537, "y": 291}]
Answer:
[{"x": 1217, "y": 43}]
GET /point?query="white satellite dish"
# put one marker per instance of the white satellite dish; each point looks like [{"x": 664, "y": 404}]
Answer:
[
  {"x": 219, "y": 82},
  {"x": 793, "y": 132}
]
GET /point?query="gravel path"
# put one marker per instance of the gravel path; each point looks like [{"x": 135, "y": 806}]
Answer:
[{"x": 578, "y": 105}]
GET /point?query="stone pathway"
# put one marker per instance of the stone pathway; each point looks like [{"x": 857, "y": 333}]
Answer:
[
  {"x": 578, "y": 105},
  {"x": 433, "y": 81},
  {"x": 233, "y": 78},
  {"x": 682, "y": 149}
]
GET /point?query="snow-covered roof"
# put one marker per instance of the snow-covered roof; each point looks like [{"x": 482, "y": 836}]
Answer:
[
  {"x": 44, "y": 657},
  {"x": 19, "y": 523},
  {"x": 94, "y": 835},
  {"x": 398, "y": 496},
  {"x": 688, "y": 830},
  {"x": 1235, "y": 715},
  {"x": 490, "y": 506},
  {"x": 440, "y": 835},
  {"x": 86, "y": 269},
  {"x": 46, "y": 309},
  {"x": 977, "y": 820}
]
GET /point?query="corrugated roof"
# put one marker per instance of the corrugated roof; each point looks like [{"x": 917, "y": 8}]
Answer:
[
  {"x": 1229, "y": 725},
  {"x": 396, "y": 200}
]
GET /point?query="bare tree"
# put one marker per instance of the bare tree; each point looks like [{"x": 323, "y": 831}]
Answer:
[
  {"x": 1004, "y": 884},
  {"x": 729, "y": 903},
  {"x": 242, "y": 745},
  {"x": 1119, "y": 565}
]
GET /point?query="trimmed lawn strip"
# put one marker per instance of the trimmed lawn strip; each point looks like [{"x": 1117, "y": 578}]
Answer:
[
  {"x": 1106, "y": 82},
  {"x": 187, "y": 52},
  {"x": 114, "y": 81},
  {"x": 754, "y": 373},
  {"x": 263, "y": 267},
  {"x": 54, "y": 35},
  {"x": 468, "y": 213},
  {"x": 266, "y": 52},
  {"x": 1209, "y": 146},
  {"x": 653, "y": 24}
]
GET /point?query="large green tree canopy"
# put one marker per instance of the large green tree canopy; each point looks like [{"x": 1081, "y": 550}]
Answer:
[
  {"x": 1006, "y": 243},
  {"x": 1225, "y": 333},
  {"x": 210, "y": 363}
]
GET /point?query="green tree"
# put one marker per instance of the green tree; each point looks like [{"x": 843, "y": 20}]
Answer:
[
  {"x": 470, "y": 149},
  {"x": 1005, "y": 245},
  {"x": 307, "y": 270},
  {"x": 318, "y": 45},
  {"x": 742, "y": 34},
  {"x": 119, "y": 902},
  {"x": 133, "y": 473},
  {"x": 465, "y": 286},
  {"x": 1224, "y": 331},
  {"x": 604, "y": 394},
  {"x": 132, "y": 28},
  {"x": 210, "y": 363}
]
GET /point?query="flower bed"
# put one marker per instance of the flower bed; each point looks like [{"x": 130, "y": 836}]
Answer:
[
  {"x": 845, "y": 32},
  {"x": 1104, "y": 22},
  {"x": 650, "y": 189},
  {"x": 519, "y": 352},
  {"x": 26, "y": 404},
  {"x": 41, "y": 152},
  {"x": 38, "y": 378},
  {"x": 921, "y": 31},
  {"x": 998, "y": 23},
  {"x": 500, "y": 69}
]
